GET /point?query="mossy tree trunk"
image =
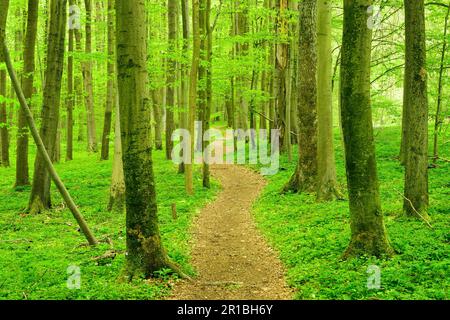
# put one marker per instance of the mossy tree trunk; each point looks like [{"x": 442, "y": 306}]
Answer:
[
  {"x": 40, "y": 192},
  {"x": 326, "y": 167},
  {"x": 70, "y": 101},
  {"x": 22, "y": 170},
  {"x": 4, "y": 138},
  {"x": 368, "y": 234},
  {"x": 145, "y": 253},
  {"x": 172, "y": 8},
  {"x": 305, "y": 177},
  {"x": 415, "y": 111}
]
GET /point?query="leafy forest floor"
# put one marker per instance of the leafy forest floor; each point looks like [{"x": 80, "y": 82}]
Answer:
[
  {"x": 36, "y": 251},
  {"x": 310, "y": 237}
]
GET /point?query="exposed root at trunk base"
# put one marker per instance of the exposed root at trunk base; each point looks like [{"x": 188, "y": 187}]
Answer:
[
  {"x": 368, "y": 245},
  {"x": 36, "y": 206}
]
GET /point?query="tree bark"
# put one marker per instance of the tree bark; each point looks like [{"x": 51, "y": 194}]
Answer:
[
  {"x": 208, "y": 85},
  {"x": 193, "y": 94},
  {"x": 326, "y": 167},
  {"x": 145, "y": 253},
  {"x": 40, "y": 192},
  {"x": 70, "y": 95},
  {"x": 305, "y": 177},
  {"x": 22, "y": 170},
  {"x": 416, "y": 112},
  {"x": 88, "y": 86},
  {"x": 171, "y": 75},
  {"x": 368, "y": 234},
  {"x": 110, "y": 83},
  {"x": 117, "y": 191},
  {"x": 437, "y": 117},
  {"x": 4, "y": 135},
  {"x": 184, "y": 72}
]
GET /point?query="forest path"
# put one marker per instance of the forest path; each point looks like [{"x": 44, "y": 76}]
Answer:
[{"x": 231, "y": 257}]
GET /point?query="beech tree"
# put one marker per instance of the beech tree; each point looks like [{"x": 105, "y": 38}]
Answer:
[
  {"x": 145, "y": 252},
  {"x": 415, "y": 112},
  {"x": 110, "y": 92},
  {"x": 368, "y": 234},
  {"x": 326, "y": 167},
  {"x": 40, "y": 192},
  {"x": 4, "y": 136},
  {"x": 304, "y": 178}
]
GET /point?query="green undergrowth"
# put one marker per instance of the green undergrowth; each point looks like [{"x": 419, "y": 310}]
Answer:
[
  {"x": 36, "y": 251},
  {"x": 311, "y": 237}
]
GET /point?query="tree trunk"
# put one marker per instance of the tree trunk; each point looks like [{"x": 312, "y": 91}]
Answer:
[
  {"x": 171, "y": 75},
  {"x": 117, "y": 191},
  {"x": 157, "y": 98},
  {"x": 22, "y": 170},
  {"x": 368, "y": 235},
  {"x": 282, "y": 62},
  {"x": 4, "y": 136},
  {"x": 193, "y": 95},
  {"x": 145, "y": 253},
  {"x": 326, "y": 168},
  {"x": 88, "y": 86},
  {"x": 184, "y": 72},
  {"x": 416, "y": 111},
  {"x": 208, "y": 85},
  {"x": 40, "y": 192},
  {"x": 437, "y": 117},
  {"x": 305, "y": 177},
  {"x": 110, "y": 83},
  {"x": 70, "y": 95}
]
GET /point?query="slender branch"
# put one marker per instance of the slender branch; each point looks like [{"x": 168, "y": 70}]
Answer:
[{"x": 42, "y": 150}]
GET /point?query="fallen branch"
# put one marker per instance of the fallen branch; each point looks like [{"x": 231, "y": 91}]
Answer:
[
  {"x": 42, "y": 150},
  {"x": 417, "y": 212}
]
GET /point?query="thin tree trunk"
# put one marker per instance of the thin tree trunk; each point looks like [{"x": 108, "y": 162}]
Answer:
[
  {"x": 22, "y": 170},
  {"x": 326, "y": 167},
  {"x": 208, "y": 94},
  {"x": 117, "y": 191},
  {"x": 4, "y": 136},
  {"x": 368, "y": 234},
  {"x": 171, "y": 75},
  {"x": 193, "y": 95},
  {"x": 157, "y": 98},
  {"x": 184, "y": 71},
  {"x": 70, "y": 95},
  {"x": 437, "y": 118},
  {"x": 110, "y": 83},
  {"x": 88, "y": 86}
]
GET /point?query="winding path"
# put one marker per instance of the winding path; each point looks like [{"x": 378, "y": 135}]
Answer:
[{"x": 231, "y": 257}]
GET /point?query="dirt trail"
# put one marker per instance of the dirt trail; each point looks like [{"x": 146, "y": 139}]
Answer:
[{"x": 232, "y": 259}]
